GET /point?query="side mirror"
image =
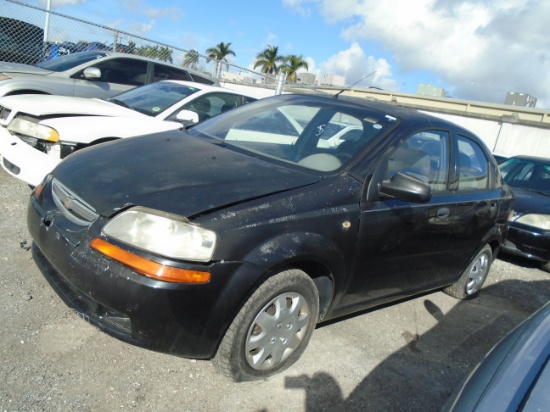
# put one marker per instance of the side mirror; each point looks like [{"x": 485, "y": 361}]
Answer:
[
  {"x": 405, "y": 187},
  {"x": 187, "y": 118},
  {"x": 92, "y": 73}
]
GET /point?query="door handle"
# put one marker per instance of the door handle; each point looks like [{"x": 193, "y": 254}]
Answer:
[{"x": 443, "y": 213}]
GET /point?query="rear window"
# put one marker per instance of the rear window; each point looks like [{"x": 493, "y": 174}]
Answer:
[{"x": 163, "y": 72}]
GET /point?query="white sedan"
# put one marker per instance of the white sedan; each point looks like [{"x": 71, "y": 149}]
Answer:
[{"x": 38, "y": 131}]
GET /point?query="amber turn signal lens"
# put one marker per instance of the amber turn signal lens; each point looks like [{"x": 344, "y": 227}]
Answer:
[{"x": 147, "y": 267}]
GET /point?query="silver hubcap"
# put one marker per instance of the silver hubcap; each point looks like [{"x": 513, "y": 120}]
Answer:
[
  {"x": 477, "y": 274},
  {"x": 277, "y": 331}
]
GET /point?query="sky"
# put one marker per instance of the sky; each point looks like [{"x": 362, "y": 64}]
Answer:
[{"x": 474, "y": 49}]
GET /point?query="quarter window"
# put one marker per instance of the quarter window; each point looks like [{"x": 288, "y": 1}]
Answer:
[
  {"x": 163, "y": 72},
  {"x": 472, "y": 165}
]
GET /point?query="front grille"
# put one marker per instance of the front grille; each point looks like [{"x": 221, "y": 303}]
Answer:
[
  {"x": 10, "y": 166},
  {"x": 4, "y": 113},
  {"x": 73, "y": 207}
]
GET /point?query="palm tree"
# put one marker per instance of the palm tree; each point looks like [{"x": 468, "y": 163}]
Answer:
[
  {"x": 268, "y": 60},
  {"x": 218, "y": 54},
  {"x": 191, "y": 59},
  {"x": 291, "y": 66}
]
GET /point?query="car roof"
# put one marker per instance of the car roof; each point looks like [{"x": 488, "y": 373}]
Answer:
[
  {"x": 205, "y": 87},
  {"x": 536, "y": 159}
]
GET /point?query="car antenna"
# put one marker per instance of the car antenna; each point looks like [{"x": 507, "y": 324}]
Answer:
[{"x": 349, "y": 87}]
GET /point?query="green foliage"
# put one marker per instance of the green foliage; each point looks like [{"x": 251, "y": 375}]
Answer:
[
  {"x": 156, "y": 52},
  {"x": 219, "y": 52},
  {"x": 268, "y": 60},
  {"x": 291, "y": 65},
  {"x": 191, "y": 59}
]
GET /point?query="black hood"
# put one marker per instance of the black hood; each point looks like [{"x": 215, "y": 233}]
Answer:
[
  {"x": 173, "y": 172},
  {"x": 529, "y": 201}
]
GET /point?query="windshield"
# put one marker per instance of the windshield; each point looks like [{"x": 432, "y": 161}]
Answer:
[
  {"x": 62, "y": 63},
  {"x": 527, "y": 174},
  {"x": 154, "y": 98},
  {"x": 320, "y": 134}
]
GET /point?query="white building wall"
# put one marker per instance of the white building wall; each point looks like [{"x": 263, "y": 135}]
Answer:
[{"x": 506, "y": 139}]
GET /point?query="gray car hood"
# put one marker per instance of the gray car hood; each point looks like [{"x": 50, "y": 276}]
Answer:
[
  {"x": 6, "y": 67},
  {"x": 172, "y": 172}
]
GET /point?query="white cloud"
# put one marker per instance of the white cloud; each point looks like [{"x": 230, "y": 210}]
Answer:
[
  {"x": 354, "y": 65},
  {"x": 478, "y": 49}
]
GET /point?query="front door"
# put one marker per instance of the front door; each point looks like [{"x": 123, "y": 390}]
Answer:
[{"x": 404, "y": 246}]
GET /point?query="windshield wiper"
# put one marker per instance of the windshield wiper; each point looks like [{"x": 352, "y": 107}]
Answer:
[{"x": 119, "y": 102}]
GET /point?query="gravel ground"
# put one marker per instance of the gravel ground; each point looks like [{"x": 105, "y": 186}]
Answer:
[{"x": 408, "y": 356}]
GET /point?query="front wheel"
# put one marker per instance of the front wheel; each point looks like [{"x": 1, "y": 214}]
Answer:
[
  {"x": 472, "y": 279},
  {"x": 272, "y": 329}
]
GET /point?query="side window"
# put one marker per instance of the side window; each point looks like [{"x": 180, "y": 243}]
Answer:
[
  {"x": 200, "y": 79},
  {"x": 202, "y": 106},
  {"x": 222, "y": 102},
  {"x": 425, "y": 156},
  {"x": 472, "y": 165},
  {"x": 162, "y": 72},
  {"x": 123, "y": 71},
  {"x": 211, "y": 105}
]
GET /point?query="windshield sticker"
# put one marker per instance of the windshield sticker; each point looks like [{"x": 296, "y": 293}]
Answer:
[
  {"x": 156, "y": 109},
  {"x": 320, "y": 130},
  {"x": 391, "y": 118},
  {"x": 377, "y": 126}
]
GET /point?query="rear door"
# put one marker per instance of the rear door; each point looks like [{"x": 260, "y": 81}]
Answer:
[{"x": 477, "y": 199}]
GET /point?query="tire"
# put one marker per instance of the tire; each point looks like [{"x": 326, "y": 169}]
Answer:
[
  {"x": 473, "y": 277},
  {"x": 272, "y": 329}
]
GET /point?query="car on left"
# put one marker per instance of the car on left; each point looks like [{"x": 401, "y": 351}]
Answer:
[
  {"x": 91, "y": 74},
  {"x": 37, "y": 132}
]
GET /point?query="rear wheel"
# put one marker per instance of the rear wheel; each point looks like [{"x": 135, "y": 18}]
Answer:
[
  {"x": 473, "y": 277},
  {"x": 272, "y": 329}
]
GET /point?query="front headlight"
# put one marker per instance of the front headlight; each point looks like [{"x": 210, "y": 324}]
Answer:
[
  {"x": 28, "y": 128},
  {"x": 536, "y": 220},
  {"x": 163, "y": 234}
]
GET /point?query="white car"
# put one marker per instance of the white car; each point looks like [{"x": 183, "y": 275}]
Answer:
[{"x": 38, "y": 131}]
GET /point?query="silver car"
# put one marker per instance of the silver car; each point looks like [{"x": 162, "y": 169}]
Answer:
[{"x": 91, "y": 74}]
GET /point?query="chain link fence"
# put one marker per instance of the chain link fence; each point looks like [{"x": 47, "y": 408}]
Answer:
[{"x": 30, "y": 34}]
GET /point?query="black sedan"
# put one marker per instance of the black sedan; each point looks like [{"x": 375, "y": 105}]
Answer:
[
  {"x": 529, "y": 235},
  {"x": 231, "y": 242}
]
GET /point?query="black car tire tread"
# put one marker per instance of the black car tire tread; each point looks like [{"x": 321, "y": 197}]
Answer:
[
  {"x": 230, "y": 357},
  {"x": 459, "y": 289}
]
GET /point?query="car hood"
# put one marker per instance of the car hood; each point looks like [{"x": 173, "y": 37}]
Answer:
[
  {"x": 45, "y": 105},
  {"x": 6, "y": 67},
  {"x": 528, "y": 201},
  {"x": 172, "y": 172}
]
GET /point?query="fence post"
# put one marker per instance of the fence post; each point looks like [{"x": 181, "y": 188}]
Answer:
[
  {"x": 280, "y": 84},
  {"x": 47, "y": 23}
]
